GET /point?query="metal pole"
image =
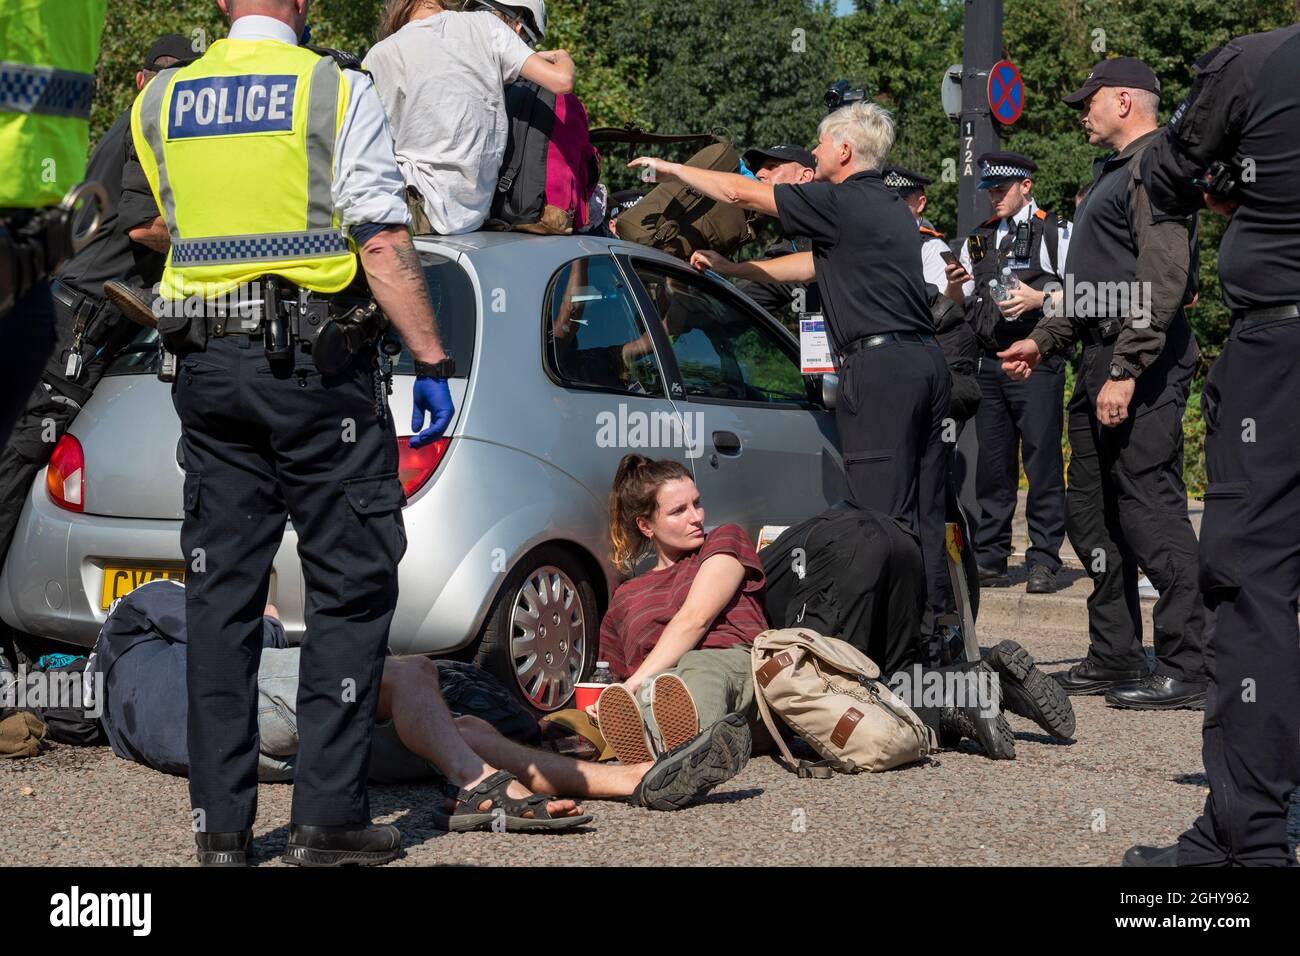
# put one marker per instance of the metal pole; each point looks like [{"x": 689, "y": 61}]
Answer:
[
  {"x": 982, "y": 47},
  {"x": 979, "y": 133}
]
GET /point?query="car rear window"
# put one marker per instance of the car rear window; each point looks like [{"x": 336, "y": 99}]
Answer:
[{"x": 454, "y": 304}]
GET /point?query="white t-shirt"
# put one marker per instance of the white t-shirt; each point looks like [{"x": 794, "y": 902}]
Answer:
[{"x": 442, "y": 81}]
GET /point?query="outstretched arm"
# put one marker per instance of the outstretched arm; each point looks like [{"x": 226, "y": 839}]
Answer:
[
  {"x": 731, "y": 188},
  {"x": 796, "y": 267}
]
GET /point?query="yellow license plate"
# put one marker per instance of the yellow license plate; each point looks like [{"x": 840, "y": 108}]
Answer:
[{"x": 119, "y": 581}]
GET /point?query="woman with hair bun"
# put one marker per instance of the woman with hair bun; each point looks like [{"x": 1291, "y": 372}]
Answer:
[{"x": 679, "y": 634}]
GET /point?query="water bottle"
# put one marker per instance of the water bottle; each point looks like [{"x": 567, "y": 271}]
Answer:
[
  {"x": 603, "y": 674},
  {"x": 998, "y": 291},
  {"x": 1009, "y": 280}
]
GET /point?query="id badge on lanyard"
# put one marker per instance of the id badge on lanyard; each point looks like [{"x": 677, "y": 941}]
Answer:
[{"x": 815, "y": 354}]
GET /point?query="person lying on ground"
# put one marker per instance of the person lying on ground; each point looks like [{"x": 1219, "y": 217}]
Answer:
[
  {"x": 441, "y": 75},
  {"x": 489, "y": 778}
]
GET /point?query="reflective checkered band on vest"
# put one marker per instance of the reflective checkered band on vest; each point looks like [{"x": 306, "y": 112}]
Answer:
[
  {"x": 312, "y": 244},
  {"x": 45, "y": 91}
]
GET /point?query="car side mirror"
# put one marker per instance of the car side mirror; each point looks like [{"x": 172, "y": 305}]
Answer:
[{"x": 830, "y": 390}]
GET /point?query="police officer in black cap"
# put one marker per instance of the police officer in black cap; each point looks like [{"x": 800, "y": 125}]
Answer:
[
  {"x": 910, "y": 187},
  {"x": 1029, "y": 244},
  {"x": 1126, "y": 279},
  {"x": 1243, "y": 114},
  {"x": 782, "y": 164},
  {"x": 89, "y": 329}
]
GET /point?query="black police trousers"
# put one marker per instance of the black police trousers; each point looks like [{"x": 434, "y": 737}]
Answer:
[
  {"x": 890, "y": 414},
  {"x": 1013, "y": 414},
  {"x": 51, "y": 407},
  {"x": 1250, "y": 572},
  {"x": 1126, "y": 509},
  {"x": 28, "y": 336},
  {"x": 262, "y": 441}
]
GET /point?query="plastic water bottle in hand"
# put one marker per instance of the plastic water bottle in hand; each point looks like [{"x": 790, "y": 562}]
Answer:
[
  {"x": 1009, "y": 280},
  {"x": 998, "y": 291}
]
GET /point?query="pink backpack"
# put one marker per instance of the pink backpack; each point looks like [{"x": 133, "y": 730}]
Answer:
[{"x": 550, "y": 169}]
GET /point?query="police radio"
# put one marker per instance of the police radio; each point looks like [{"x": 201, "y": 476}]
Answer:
[{"x": 1020, "y": 246}]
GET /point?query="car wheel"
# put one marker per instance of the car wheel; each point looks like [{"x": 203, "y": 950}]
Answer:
[{"x": 542, "y": 632}]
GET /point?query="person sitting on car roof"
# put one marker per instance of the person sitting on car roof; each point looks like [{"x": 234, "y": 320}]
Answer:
[{"x": 441, "y": 75}]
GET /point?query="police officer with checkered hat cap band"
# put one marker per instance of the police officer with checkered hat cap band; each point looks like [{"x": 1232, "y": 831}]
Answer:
[
  {"x": 910, "y": 186},
  {"x": 1126, "y": 283},
  {"x": 1245, "y": 103},
  {"x": 1015, "y": 418},
  {"x": 274, "y": 169}
]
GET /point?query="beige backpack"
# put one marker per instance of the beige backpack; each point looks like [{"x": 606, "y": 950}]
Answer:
[{"x": 829, "y": 693}]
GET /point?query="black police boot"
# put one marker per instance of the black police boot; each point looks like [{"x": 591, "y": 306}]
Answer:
[
  {"x": 1088, "y": 678},
  {"x": 1158, "y": 692},
  {"x": 968, "y": 719},
  {"x": 224, "y": 849},
  {"x": 1028, "y": 692},
  {"x": 994, "y": 577},
  {"x": 1151, "y": 856},
  {"x": 1042, "y": 580},
  {"x": 365, "y": 845}
]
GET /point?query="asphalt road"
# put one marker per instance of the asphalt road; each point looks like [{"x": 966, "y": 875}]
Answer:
[{"x": 1129, "y": 777}]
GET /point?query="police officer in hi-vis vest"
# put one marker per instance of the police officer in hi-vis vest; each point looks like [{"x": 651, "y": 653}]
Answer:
[
  {"x": 1015, "y": 418},
  {"x": 275, "y": 173},
  {"x": 48, "y": 50}
]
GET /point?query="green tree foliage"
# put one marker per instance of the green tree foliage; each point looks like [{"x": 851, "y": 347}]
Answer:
[{"x": 758, "y": 69}]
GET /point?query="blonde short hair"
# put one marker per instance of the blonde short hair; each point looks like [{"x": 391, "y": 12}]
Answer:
[{"x": 867, "y": 127}]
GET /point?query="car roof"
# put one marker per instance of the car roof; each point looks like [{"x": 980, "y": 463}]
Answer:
[{"x": 490, "y": 245}]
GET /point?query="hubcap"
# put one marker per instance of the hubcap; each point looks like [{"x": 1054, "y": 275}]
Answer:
[{"x": 548, "y": 637}]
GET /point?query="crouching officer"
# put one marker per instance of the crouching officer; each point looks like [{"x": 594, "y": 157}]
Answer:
[
  {"x": 1015, "y": 418},
  {"x": 274, "y": 169},
  {"x": 1126, "y": 507},
  {"x": 1245, "y": 102}
]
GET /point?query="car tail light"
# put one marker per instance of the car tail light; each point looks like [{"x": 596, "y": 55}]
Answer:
[
  {"x": 66, "y": 476},
  {"x": 415, "y": 466}
]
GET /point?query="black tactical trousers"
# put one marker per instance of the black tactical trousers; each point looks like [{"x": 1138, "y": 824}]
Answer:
[
  {"x": 890, "y": 415},
  {"x": 1012, "y": 415},
  {"x": 1250, "y": 571},
  {"x": 263, "y": 441},
  {"x": 28, "y": 336},
  {"x": 50, "y": 409},
  {"x": 1126, "y": 509}
]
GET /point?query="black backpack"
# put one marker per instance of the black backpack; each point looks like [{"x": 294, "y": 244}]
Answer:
[{"x": 853, "y": 574}]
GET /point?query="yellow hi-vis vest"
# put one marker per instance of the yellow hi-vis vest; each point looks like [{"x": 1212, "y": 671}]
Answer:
[
  {"x": 48, "y": 50},
  {"x": 238, "y": 148}
]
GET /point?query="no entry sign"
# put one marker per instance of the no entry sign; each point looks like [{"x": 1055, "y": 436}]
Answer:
[{"x": 1006, "y": 92}]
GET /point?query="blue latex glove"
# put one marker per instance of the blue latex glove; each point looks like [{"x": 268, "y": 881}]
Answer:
[{"x": 432, "y": 397}]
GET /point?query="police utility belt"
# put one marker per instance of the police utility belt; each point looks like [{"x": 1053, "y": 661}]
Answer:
[
  {"x": 884, "y": 338},
  {"x": 285, "y": 316},
  {"x": 90, "y": 324}
]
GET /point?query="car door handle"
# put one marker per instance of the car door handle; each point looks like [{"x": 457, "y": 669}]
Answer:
[{"x": 727, "y": 443}]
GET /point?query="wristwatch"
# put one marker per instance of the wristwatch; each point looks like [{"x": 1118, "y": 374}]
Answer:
[
  {"x": 444, "y": 369},
  {"x": 1118, "y": 373}
]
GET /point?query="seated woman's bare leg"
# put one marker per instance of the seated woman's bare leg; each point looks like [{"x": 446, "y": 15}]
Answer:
[
  {"x": 411, "y": 697},
  {"x": 547, "y": 772}
]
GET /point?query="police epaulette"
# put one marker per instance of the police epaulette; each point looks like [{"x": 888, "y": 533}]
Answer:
[
  {"x": 930, "y": 232},
  {"x": 1041, "y": 213},
  {"x": 345, "y": 60}
]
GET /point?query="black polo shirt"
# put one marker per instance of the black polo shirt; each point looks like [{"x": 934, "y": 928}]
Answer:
[
  {"x": 111, "y": 254},
  {"x": 864, "y": 250}
]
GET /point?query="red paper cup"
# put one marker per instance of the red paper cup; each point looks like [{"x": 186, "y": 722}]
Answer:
[{"x": 586, "y": 694}]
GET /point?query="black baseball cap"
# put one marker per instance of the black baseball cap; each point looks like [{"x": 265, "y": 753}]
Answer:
[
  {"x": 1126, "y": 71},
  {"x": 174, "y": 45},
  {"x": 755, "y": 158},
  {"x": 998, "y": 167},
  {"x": 904, "y": 180}
]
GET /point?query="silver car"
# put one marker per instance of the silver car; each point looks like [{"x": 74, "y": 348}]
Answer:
[{"x": 570, "y": 352}]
